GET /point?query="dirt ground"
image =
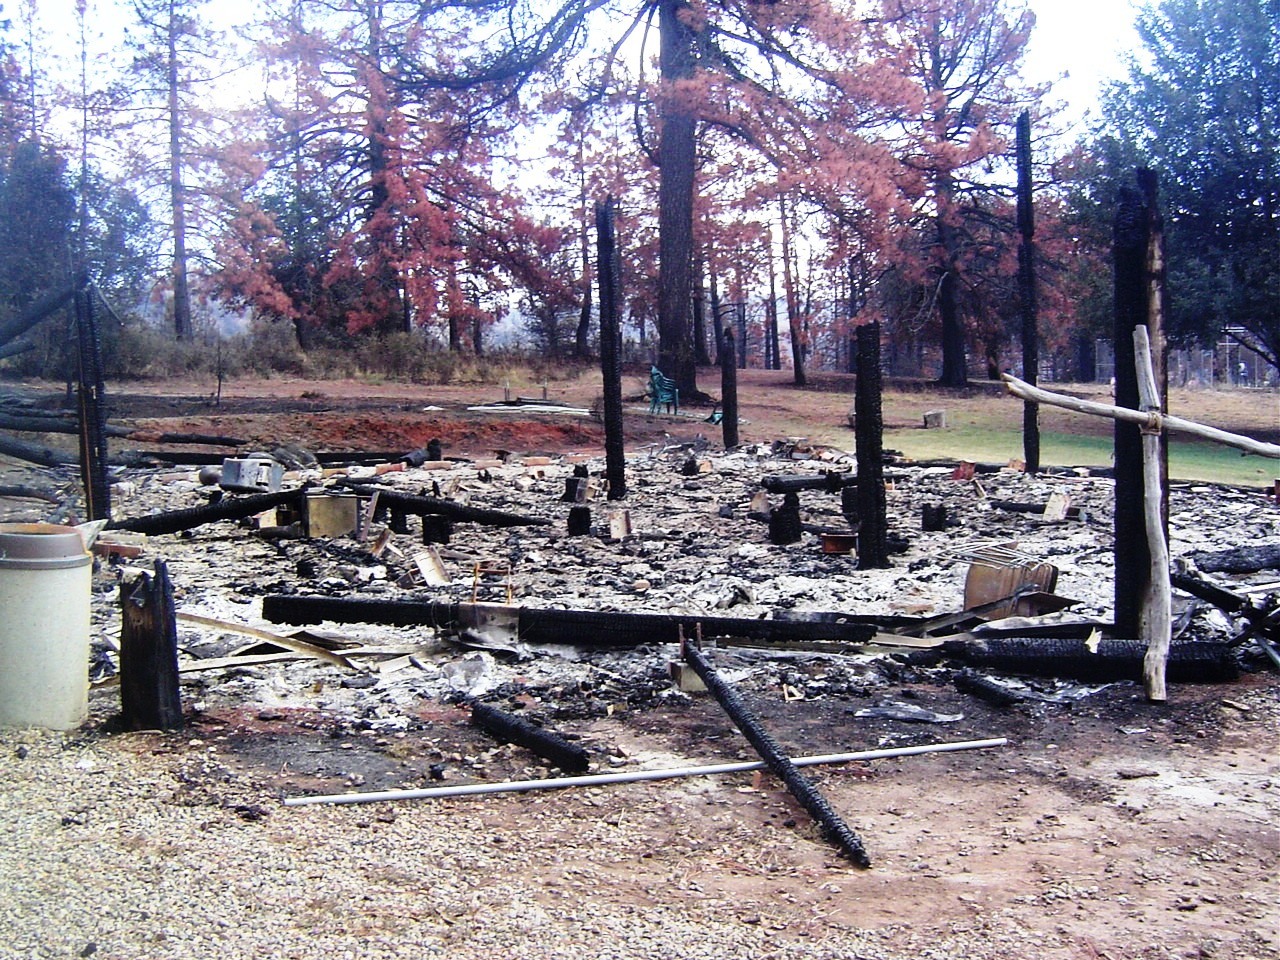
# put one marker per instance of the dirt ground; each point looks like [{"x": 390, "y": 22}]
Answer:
[{"x": 1106, "y": 826}]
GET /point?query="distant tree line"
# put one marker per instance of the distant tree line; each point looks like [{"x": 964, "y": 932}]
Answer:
[{"x": 377, "y": 168}]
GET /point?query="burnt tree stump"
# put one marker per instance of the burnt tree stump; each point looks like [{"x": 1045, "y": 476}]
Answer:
[
  {"x": 873, "y": 536},
  {"x": 149, "y": 695}
]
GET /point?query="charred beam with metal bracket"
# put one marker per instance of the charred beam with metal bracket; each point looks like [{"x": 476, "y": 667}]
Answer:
[
  {"x": 230, "y": 508},
  {"x": 586, "y": 628},
  {"x": 407, "y": 503},
  {"x": 550, "y": 746},
  {"x": 833, "y": 827}
]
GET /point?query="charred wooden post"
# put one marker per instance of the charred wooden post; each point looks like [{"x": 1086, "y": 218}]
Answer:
[
  {"x": 150, "y": 698},
  {"x": 579, "y": 521},
  {"x": 1027, "y": 295},
  {"x": 398, "y": 520},
  {"x": 873, "y": 534},
  {"x": 93, "y": 419},
  {"x": 1136, "y": 234},
  {"x": 784, "y": 521},
  {"x": 229, "y": 508},
  {"x": 436, "y": 528},
  {"x": 609, "y": 274},
  {"x": 933, "y": 517},
  {"x": 550, "y": 746},
  {"x": 833, "y": 827},
  {"x": 728, "y": 389}
]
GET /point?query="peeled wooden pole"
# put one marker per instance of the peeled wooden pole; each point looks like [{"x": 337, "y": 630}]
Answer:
[
  {"x": 1156, "y": 619},
  {"x": 1025, "y": 391}
]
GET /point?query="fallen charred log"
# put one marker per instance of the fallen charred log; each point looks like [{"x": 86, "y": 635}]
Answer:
[
  {"x": 552, "y": 747},
  {"x": 833, "y": 827},
  {"x": 586, "y": 628},
  {"x": 1014, "y": 506},
  {"x": 407, "y": 503},
  {"x": 1239, "y": 559},
  {"x": 230, "y": 508},
  {"x": 1261, "y": 620},
  {"x": 35, "y": 453},
  {"x": 830, "y": 481},
  {"x": 28, "y": 493},
  {"x": 1103, "y": 661},
  {"x": 37, "y": 424}
]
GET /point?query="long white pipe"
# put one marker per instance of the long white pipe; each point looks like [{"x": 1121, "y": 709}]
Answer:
[{"x": 633, "y": 776}]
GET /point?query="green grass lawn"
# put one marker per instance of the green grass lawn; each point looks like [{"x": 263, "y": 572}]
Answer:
[{"x": 1188, "y": 459}]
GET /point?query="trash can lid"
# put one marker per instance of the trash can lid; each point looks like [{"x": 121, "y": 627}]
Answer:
[{"x": 40, "y": 541}]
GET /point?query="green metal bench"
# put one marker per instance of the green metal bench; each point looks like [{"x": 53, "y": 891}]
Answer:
[{"x": 662, "y": 392}]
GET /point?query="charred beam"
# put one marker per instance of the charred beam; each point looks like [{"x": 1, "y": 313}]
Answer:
[
  {"x": 1107, "y": 661},
  {"x": 833, "y": 827},
  {"x": 550, "y": 746},
  {"x": 230, "y": 508},
  {"x": 587, "y": 628},
  {"x": 408, "y": 503}
]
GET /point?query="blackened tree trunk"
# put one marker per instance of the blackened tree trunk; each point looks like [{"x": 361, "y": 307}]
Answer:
[
  {"x": 1027, "y": 295},
  {"x": 955, "y": 371},
  {"x": 93, "y": 416},
  {"x": 717, "y": 321},
  {"x": 177, "y": 189},
  {"x": 677, "y": 159},
  {"x": 873, "y": 548},
  {"x": 610, "y": 349},
  {"x": 729, "y": 390},
  {"x": 792, "y": 300},
  {"x": 700, "y": 355},
  {"x": 772, "y": 351}
]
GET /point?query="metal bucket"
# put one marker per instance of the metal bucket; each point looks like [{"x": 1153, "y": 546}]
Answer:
[{"x": 45, "y": 579}]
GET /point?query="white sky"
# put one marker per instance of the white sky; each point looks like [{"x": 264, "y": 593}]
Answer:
[{"x": 1086, "y": 39}]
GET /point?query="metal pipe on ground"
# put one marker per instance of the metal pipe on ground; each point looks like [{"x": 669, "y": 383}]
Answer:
[
  {"x": 633, "y": 776},
  {"x": 833, "y": 827}
]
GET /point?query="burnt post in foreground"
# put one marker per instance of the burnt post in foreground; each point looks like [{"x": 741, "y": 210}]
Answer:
[
  {"x": 833, "y": 827},
  {"x": 729, "y": 389},
  {"x": 873, "y": 537},
  {"x": 1027, "y": 296},
  {"x": 610, "y": 349},
  {"x": 149, "y": 694},
  {"x": 1137, "y": 254}
]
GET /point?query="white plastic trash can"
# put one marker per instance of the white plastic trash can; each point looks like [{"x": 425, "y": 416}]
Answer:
[{"x": 45, "y": 583}]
